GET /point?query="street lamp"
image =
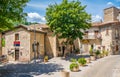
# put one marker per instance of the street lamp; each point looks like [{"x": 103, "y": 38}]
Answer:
[{"x": 34, "y": 44}]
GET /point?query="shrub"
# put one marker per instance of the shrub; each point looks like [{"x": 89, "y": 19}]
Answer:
[
  {"x": 73, "y": 60},
  {"x": 82, "y": 61},
  {"x": 77, "y": 50},
  {"x": 46, "y": 57},
  {"x": 91, "y": 51},
  {"x": 97, "y": 53},
  {"x": 74, "y": 65},
  {"x": 106, "y": 53}
]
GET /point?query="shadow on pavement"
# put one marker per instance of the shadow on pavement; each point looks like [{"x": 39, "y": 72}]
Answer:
[{"x": 27, "y": 70}]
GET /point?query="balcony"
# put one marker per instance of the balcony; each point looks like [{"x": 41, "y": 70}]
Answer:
[{"x": 96, "y": 36}]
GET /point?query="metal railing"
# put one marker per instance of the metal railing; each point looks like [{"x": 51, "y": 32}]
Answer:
[{"x": 98, "y": 36}]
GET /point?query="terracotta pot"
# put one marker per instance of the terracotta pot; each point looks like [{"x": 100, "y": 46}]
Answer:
[
  {"x": 75, "y": 69},
  {"x": 45, "y": 60},
  {"x": 98, "y": 57},
  {"x": 88, "y": 60},
  {"x": 92, "y": 58},
  {"x": 65, "y": 74}
]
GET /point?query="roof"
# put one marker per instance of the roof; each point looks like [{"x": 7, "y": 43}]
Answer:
[
  {"x": 38, "y": 27},
  {"x": 98, "y": 24},
  {"x": 111, "y": 7}
]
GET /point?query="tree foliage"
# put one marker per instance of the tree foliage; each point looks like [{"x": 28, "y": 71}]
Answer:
[
  {"x": 11, "y": 11},
  {"x": 68, "y": 19}
]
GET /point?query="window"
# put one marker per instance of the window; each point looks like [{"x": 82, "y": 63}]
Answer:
[
  {"x": 96, "y": 33},
  {"x": 107, "y": 31},
  {"x": 16, "y": 37},
  {"x": 86, "y": 32},
  {"x": 116, "y": 33}
]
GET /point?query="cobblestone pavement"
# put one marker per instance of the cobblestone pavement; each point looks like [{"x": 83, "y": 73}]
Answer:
[{"x": 104, "y": 67}]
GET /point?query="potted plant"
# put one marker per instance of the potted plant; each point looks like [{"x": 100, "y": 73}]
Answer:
[
  {"x": 92, "y": 57},
  {"x": 91, "y": 51},
  {"x": 106, "y": 53},
  {"x": 82, "y": 61},
  {"x": 77, "y": 51},
  {"x": 65, "y": 73},
  {"x": 97, "y": 54},
  {"x": 74, "y": 67},
  {"x": 73, "y": 60},
  {"x": 101, "y": 55},
  {"x": 46, "y": 59},
  {"x": 88, "y": 60}
]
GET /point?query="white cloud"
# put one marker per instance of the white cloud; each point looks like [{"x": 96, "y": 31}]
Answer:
[
  {"x": 110, "y": 3},
  {"x": 42, "y": 6},
  {"x": 96, "y": 18},
  {"x": 35, "y": 17}
]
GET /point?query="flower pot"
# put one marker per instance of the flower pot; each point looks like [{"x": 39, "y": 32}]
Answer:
[
  {"x": 65, "y": 74},
  {"x": 88, "y": 60},
  {"x": 45, "y": 60},
  {"x": 75, "y": 69},
  {"x": 92, "y": 58},
  {"x": 98, "y": 57}
]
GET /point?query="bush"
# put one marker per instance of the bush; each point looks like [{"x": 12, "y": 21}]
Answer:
[
  {"x": 77, "y": 50},
  {"x": 82, "y": 61},
  {"x": 97, "y": 53},
  {"x": 73, "y": 60},
  {"x": 74, "y": 65},
  {"x": 91, "y": 51},
  {"x": 46, "y": 58},
  {"x": 106, "y": 53}
]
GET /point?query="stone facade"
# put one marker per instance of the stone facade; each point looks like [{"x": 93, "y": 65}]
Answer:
[
  {"x": 103, "y": 35},
  {"x": 110, "y": 14},
  {"x": 108, "y": 31},
  {"x": 24, "y": 52},
  {"x": 24, "y": 48}
]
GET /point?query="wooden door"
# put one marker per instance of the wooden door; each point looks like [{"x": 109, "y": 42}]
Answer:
[{"x": 16, "y": 54}]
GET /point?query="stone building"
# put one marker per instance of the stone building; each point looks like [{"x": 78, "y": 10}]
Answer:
[
  {"x": 19, "y": 42},
  {"x": 104, "y": 35}
]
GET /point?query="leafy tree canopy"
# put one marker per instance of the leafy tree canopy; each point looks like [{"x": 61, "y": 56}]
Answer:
[
  {"x": 68, "y": 19},
  {"x": 11, "y": 11}
]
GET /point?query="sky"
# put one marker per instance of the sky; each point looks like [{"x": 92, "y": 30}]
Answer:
[{"x": 36, "y": 9}]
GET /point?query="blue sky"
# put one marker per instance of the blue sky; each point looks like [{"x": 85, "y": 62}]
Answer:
[{"x": 36, "y": 8}]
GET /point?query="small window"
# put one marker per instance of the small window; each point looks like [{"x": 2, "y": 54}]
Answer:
[
  {"x": 96, "y": 32},
  {"x": 116, "y": 33},
  {"x": 16, "y": 37},
  {"x": 107, "y": 31},
  {"x": 86, "y": 32}
]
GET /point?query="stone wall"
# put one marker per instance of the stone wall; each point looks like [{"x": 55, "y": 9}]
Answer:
[
  {"x": 40, "y": 49},
  {"x": 24, "y": 48},
  {"x": 106, "y": 39},
  {"x": 51, "y": 47},
  {"x": 110, "y": 14},
  {"x": 115, "y": 40}
]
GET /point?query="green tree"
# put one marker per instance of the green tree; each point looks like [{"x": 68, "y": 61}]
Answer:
[
  {"x": 11, "y": 12},
  {"x": 68, "y": 19}
]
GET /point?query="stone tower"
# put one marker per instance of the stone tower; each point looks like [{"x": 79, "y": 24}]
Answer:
[{"x": 110, "y": 14}]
